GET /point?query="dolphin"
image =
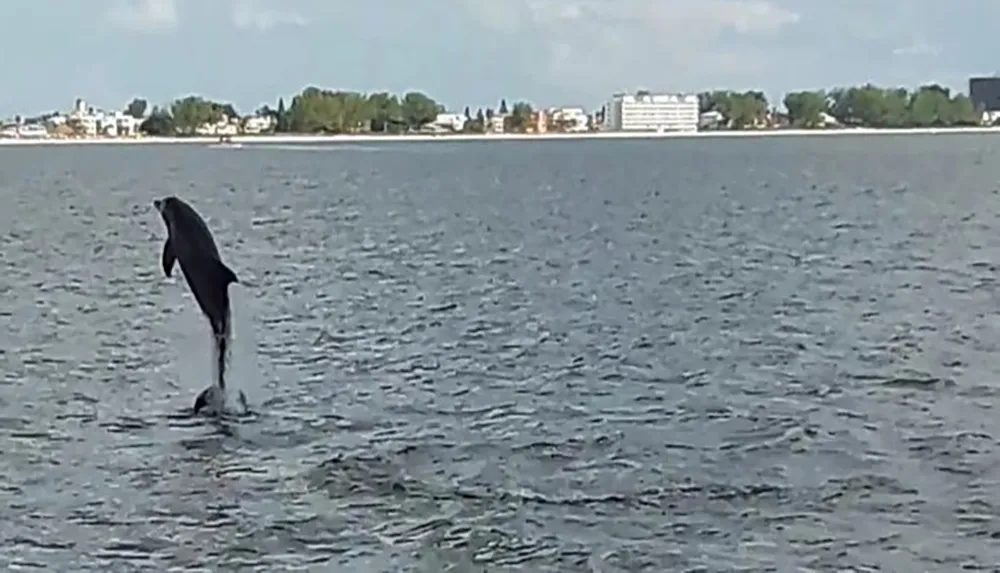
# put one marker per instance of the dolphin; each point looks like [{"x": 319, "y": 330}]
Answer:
[{"x": 190, "y": 245}]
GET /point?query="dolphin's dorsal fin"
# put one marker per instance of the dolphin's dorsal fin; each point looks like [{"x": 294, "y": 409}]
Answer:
[
  {"x": 227, "y": 274},
  {"x": 169, "y": 257}
]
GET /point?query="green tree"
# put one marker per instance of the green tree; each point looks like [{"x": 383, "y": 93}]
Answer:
[
  {"x": 386, "y": 113},
  {"x": 503, "y": 107},
  {"x": 519, "y": 118},
  {"x": 929, "y": 105},
  {"x": 964, "y": 111},
  {"x": 706, "y": 102},
  {"x": 476, "y": 124},
  {"x": 136, "y": 108},
  {"x": 419, "y": 109},
  {"x": 868, "y": 105},
  {"x": 741, "y": 110},
  {"x": 227, "y": 110},
  {"x": 468, "y": 113},
  {"x": 281, "y": 119},
  {"x": 159, "y": 123},
  {"x": 191, "y": 112},
  {"x": 805, "y": 108},
  {"x": 317, "y": 110}
]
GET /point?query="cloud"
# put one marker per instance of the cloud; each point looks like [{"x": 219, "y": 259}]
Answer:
[
  {"x": 690, "y": 16},
  {"x": 608, "y": 45},
  {"x": 247, "y": 15},
  {"x": 144, "y": 15},
  {"x": 918, "y": 49}
]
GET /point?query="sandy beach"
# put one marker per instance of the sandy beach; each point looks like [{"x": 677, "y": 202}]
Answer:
[{"x": 286, "y": 139}]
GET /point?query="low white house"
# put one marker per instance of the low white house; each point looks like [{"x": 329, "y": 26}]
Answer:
[
  {"x": 453, "y": 121},
  {"x": 25, "y": 131},
  {"x": 711, "y": 119},
  {"x": 255, "y": 124},
  {"x": 573, "y": 119},
  {"x": 225, "y": 126},
  {"x": 496, "y": 124}
]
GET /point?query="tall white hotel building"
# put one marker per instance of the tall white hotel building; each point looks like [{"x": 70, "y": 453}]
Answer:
[{"x": 644, "y": 111}]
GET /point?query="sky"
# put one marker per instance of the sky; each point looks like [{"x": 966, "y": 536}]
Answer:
[{"x": 474, "y": 52}]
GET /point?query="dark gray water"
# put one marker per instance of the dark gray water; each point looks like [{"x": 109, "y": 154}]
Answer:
[{"x": 703, "y": 355}]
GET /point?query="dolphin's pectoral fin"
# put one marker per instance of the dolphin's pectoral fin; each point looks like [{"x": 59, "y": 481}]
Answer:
[
  {"x": 168, "y": 258},
  {"x": 227, "y": 274}
]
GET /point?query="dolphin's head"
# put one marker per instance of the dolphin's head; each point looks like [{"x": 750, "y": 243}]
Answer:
[{"x": 165, "y": 206}]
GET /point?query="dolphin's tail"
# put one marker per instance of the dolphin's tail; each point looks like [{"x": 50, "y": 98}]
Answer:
[
  {"x": 212, "y": 401},
  {"x": 213, "y": 398},
  {"x": 222, "y": 333}
]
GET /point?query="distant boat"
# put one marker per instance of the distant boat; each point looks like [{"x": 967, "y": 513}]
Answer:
[{"x": 226, "y": 142}]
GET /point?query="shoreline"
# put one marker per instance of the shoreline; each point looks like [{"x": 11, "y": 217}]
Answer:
[{"x": 264, "y": 140}]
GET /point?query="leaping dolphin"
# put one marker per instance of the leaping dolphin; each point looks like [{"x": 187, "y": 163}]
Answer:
[{"x": 190, "y": 244}]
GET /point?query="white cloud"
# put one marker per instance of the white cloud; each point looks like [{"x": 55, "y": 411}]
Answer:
[
  {"x": 144, "y": 15},
  {"x": 623, "y": 44},
  {"x": 248, "y": 15},
  {"x": 918, "y": 49},
  {"x": 743, "y": 16}
]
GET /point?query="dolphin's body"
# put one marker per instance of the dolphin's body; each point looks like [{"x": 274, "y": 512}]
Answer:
[{"x": 190, "y": 245}]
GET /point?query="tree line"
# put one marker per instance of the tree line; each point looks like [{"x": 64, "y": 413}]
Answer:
[
  {"x": 323, "y": 111},
  {"x": 930, "y": 105}
]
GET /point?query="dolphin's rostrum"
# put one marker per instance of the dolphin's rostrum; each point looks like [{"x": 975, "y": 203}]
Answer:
[{"x": 191, "y": 246}]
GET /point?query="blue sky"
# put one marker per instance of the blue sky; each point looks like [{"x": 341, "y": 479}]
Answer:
[{"x": 551, "y": 52}]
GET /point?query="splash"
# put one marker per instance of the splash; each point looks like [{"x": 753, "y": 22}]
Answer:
[
  {"x": 196, "y": 362},
  {"x": 243, "y": 373}
]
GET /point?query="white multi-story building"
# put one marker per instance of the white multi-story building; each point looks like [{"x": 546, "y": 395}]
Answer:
[{"x": 645, "y": 111}]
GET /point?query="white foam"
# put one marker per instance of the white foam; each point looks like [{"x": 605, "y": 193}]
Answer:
[
  {"x": 244, "y": 372},
  {"x": 195, "y": 362},
  {"x": 191, "y": 338}
]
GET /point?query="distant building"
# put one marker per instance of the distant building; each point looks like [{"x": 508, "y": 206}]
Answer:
[
  {"x": 570, "y": 119},
  {"x": 33, "y": 131},
  {"x": 452, "y": 121},
  {"x": 26, "y": 131},
  {"x": 224, "y": 126},
  {"x": 985, "y": 93},
  {"x": 495, "y": 124},
  {"x": 985, "y": 96},
  {"x": 644, "y": 111},
  {"x": 539, "y": 122},
  {"x": 256, "y": 124},
  {"x": 712, "y": 119}
]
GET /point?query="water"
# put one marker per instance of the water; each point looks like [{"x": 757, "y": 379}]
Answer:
[{"x": 699, "y": 355}]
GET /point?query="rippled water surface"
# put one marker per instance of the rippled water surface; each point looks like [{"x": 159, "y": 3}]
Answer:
[{"x": 698, "y": 355}]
